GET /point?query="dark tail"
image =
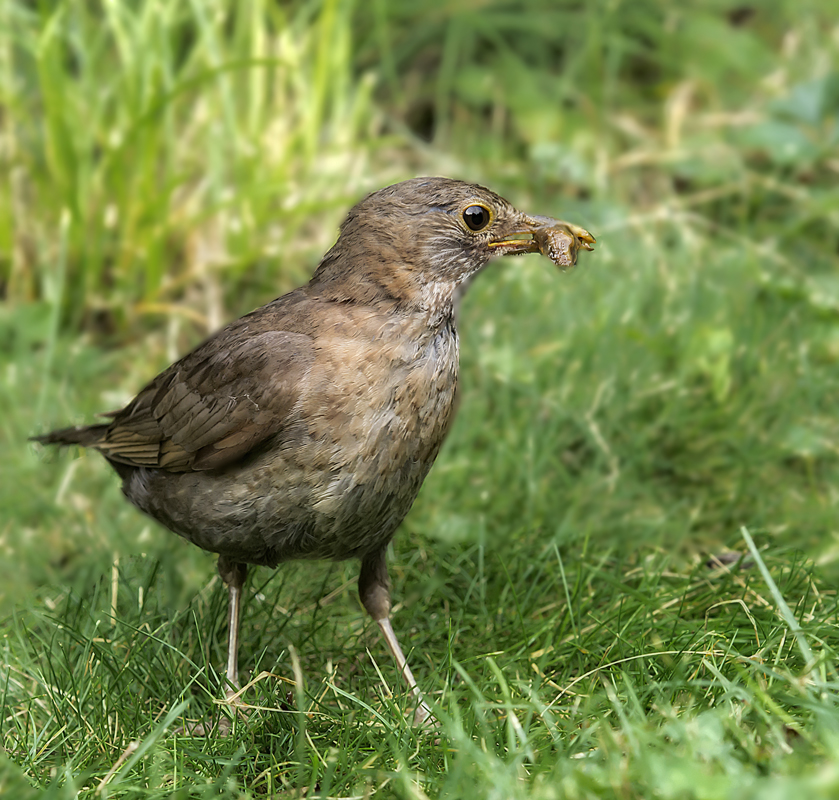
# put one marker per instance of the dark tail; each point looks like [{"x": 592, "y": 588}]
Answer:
[{"x": 86, "y": 436}]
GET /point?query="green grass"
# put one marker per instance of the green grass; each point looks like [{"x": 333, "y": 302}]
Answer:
[{"x": 168, "y": 166}]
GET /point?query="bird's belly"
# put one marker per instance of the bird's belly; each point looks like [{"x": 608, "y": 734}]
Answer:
[{"x": 334, "y": 484}]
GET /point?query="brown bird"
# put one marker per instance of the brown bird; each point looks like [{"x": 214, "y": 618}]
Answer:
[{"x": 305, "y": 428}]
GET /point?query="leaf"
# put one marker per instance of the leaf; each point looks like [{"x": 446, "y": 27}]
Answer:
[
  {"x": 783, "y": 142},
  {"x": 810, "y": 101},
  {"x": 709, "y": 355}
]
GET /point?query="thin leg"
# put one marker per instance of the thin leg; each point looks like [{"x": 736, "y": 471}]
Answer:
[
  {"x": 233, "y": 574},
  {"x": 374, "y": 590},
  {"x": 398, "y": 656}
]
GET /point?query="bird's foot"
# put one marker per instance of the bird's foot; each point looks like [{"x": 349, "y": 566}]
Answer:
[
  {"x": 424, "y": 718},
  {"x": 236, "y": 709}
]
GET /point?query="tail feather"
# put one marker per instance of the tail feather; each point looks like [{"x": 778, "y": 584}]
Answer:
[{"x": 85, "y": 435}]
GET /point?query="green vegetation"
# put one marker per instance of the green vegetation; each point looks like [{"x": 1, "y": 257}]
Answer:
[{"x": 624, "y": 428}]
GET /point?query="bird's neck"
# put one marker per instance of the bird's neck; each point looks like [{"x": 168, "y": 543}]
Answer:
[{"x": 384, "y": 280}]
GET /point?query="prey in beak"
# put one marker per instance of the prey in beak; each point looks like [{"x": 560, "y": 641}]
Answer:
[{"x": 558, "y": 240}]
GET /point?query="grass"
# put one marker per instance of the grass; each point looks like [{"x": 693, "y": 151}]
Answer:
[{"x": 619, "y": 578}]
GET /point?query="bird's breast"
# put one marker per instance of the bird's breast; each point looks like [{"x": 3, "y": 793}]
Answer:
[
  {"x": 385, "y": 404},
  {"x": 389, "y": 397}
]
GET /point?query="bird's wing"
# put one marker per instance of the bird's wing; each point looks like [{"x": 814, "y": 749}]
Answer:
[{"x": 213, "y": 406}]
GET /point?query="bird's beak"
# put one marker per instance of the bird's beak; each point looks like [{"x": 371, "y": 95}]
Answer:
[{"x": 558, "y": 240}]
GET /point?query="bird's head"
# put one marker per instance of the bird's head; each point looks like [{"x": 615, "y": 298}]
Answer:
[{"x": 415, "y": 242}]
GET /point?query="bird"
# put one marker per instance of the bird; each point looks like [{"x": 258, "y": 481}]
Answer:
[{"x": 304, "y": 429}]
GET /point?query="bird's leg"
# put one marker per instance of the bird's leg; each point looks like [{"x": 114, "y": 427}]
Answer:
[
  {"x": 374, "y": 590},
  {"x": 233, "y": 573}
]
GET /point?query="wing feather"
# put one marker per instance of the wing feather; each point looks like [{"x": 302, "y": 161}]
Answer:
[{"x": 215, "y": 405}]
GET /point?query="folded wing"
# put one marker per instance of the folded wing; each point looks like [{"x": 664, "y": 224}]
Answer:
[{"x": 213, "y": 406}]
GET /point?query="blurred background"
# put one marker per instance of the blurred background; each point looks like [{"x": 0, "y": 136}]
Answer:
[{"x": 169, "y": 166}]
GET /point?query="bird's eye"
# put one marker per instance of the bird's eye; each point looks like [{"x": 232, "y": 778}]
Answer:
[{"x": 476, "y": 217}]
